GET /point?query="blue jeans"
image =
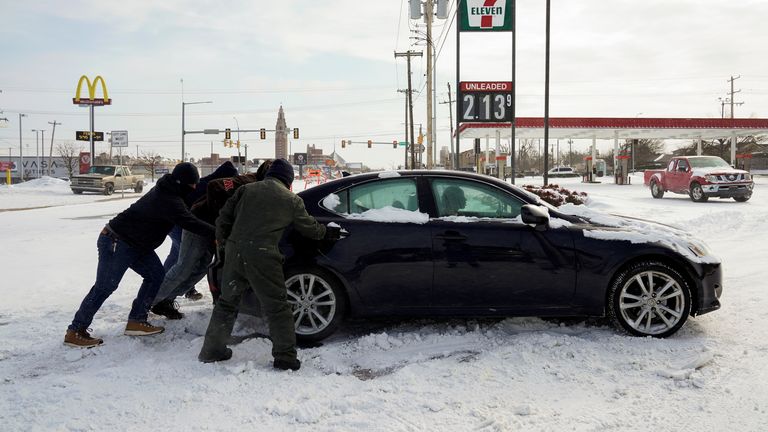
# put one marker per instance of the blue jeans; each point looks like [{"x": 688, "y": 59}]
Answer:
[
  {"x": 195, "y": 254},
  {"x": 173, "y": 255},
  {"x": 115, "y": 257}
]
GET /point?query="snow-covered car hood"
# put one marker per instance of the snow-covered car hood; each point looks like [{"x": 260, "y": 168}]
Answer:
[
  {"x": 701, "y": 172},
  {"x": 93, "y": 176},
  {"x": 635, "y": 230}
]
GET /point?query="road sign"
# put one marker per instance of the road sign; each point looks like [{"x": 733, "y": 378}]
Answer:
[
  {"x": 300, "y": 158},
  {"x": 402, "y": 143},
  {"x": 120, "y": 138},
  {"x": 419, "y": 148},
  {"x": 86, "y": 136}
]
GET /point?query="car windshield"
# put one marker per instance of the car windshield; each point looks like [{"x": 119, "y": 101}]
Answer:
[
  {"x": 708, "y": 162},
  {"x": 108, "y": 170}
]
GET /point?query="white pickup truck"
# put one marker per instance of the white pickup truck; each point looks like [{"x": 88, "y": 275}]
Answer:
[{"x": 106, "y": 179}]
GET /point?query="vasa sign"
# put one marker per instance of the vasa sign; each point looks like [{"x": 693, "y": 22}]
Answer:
[{"x": 486, "y": 15}]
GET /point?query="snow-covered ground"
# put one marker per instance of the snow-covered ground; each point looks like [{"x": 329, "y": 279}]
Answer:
[{"x": 414, "y": 375}]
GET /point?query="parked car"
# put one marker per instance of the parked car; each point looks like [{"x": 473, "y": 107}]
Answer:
[
  {"x": 106, "y": 179},
  {"x": 562, "y": 172},
  {"x": 453, "y": 244},
  {"x": 700, "y": 177}
]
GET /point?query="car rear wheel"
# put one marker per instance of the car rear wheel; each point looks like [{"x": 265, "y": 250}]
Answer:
[
  {"x": 649, "y": 298},
  {"x": 656, "y": 190},
  {"x": 318, "y": 302},
  {"x": 109, "y": 188},
  {"x": 697, "y": 193}
]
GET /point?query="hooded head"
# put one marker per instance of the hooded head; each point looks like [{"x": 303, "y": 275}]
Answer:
[
  {"x": 282, "y": 170},
  {"x": 185, "y": 175},
  {"x": 227, "y": 169},
  {"x": 263, "y": 168}
]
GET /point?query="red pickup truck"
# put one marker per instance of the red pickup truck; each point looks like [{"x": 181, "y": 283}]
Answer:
[{"x": 701, "y": 177}]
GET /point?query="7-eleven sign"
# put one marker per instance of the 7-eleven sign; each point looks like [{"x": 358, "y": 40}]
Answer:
[{"x": 486, "y": 15}]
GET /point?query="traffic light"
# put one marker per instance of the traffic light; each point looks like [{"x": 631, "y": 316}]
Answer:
[
  {"x": 420, "y": 140},
  {"x": 263, "y": 133},
  {"x": 227, "y": 133},
  {"x": 295, "y": 133},
  {"x": 343, "y": 143},
  {"x": 394, "y": 144},
  {"x": 369, "y": 143}
]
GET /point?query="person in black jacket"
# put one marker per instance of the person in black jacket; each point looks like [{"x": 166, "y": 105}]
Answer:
[
  {"x": 227, "y": 169},
  {"x": 129, "y": 241}
]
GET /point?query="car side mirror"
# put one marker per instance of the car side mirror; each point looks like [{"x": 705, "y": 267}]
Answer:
[{"x": 535, "y": 215}]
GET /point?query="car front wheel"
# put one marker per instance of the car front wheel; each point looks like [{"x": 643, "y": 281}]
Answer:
[
  {"x": 743, "y": 198},
  {"x": 649, "y": 298},
  {"x": 139, "y": 187},
  {"x": 318, "y": 303},
  {"x": 697, "y": 193}
]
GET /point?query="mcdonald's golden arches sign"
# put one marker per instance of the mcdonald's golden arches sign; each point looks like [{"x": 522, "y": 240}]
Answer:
[{"x": 92, "y": 99}]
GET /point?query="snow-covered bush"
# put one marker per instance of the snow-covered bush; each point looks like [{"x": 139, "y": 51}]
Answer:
[{"x": 556, "y": 195}]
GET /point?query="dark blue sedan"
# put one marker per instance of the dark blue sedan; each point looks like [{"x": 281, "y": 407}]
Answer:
[{"x": 452, "y": 244}]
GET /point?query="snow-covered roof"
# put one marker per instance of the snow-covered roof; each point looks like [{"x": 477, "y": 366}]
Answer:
[{"x": 610, "y": 128}]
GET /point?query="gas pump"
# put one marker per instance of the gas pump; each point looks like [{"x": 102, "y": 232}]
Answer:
[
  {"x": 744, "y": 161},
  {"x": 621, "y": 173},
  {"x": 589, "y": 175}
]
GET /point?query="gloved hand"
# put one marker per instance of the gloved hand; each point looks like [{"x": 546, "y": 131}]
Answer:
[{"x": 332, "y": 233}]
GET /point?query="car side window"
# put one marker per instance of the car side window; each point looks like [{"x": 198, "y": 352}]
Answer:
[
  {"x": 671, "y": 166},
  {"x": 467, "y": 198},
  {"x": 682, "y": 165},
  {"x": 398, "y": 193}
]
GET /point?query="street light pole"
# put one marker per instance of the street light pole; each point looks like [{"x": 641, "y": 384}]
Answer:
[
  {"x": 183, "y": 131},
  {"x": 37, "y": 150},
  {"x": 21, "y": 151},
  {"x": 240, "y": 165}
]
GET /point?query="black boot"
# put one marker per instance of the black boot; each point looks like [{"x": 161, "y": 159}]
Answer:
[
  {"x": 218, "y": 334},
  {"x": 215, "y": 357},
  {"x": 283, "y": 364},
  {"x": 193, "y": 294},
  {"x": 168, "y": 309}
]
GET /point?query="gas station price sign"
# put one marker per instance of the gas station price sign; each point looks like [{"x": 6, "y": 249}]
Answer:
[{"x": 485, "y": 101}]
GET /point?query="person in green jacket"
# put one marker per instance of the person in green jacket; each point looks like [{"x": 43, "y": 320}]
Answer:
[{"x": 250, "y": 227}]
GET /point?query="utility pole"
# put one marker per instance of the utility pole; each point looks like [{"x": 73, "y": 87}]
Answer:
[
  {"x": 408, "y": 54},
  {"x": 733, "y": 92},
  {"x": 455, "y": 159},
  {"x": 429, "y": 12},
  {"x": 37, "y": 150},
  {"x": 50, "y": 153},
  {"x": 42, "y": 143},
  {"x": 406, "y": 92}
]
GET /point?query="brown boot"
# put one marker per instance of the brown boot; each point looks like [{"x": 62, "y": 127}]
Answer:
[
  {"x": 81, "y": 339},
  {"x": 137, "y": 328}
]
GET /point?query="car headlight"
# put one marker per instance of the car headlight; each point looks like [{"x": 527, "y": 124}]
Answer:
[
  {"x": 747, "y": 176},
  {"x": 699, "y": 249},
  {"x": 711, "y": 178}
]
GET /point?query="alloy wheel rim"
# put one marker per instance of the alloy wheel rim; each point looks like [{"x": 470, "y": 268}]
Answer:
[
  {"x": 652, "y": 302},
  {"x": 313, "y": 303},
  {"x": 697, "y": 192},
  {"x": 655, "y": 188}
]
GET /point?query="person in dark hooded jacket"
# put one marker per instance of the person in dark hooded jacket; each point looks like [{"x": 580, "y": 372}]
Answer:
[
  {"x": 227, "y": 169},
  {"x": 129, "y": 241}
]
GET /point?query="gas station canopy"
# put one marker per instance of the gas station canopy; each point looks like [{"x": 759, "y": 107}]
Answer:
[{"x": 618, "y": 128}]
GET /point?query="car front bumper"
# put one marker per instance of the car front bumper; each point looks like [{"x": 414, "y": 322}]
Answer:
[
  {"x": 87, "y": 188},
  {"x": 730, "y": 190},
  {"x": 710, "y": 289}
]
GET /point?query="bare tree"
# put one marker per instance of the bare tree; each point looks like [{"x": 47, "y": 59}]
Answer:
[
  {"x": 70, "y": 154},
  {"x": 150, "y": 160}
]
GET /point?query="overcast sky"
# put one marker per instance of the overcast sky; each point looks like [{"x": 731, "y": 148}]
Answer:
[{"x": 330, "y": 64}]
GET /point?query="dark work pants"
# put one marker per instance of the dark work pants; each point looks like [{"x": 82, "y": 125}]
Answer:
[
  {"x": 248, "y": 266},
  {"x": 115, "y": 258}
]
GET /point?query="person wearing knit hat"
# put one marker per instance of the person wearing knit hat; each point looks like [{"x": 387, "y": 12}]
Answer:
[
  {"x": 250, "y": 227},
  {"x": 282, "y": 170},
  {"x": 128, "y": 241}
]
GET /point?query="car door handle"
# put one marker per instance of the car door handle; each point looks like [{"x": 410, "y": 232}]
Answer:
[{"x": 452, "y": 237}]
